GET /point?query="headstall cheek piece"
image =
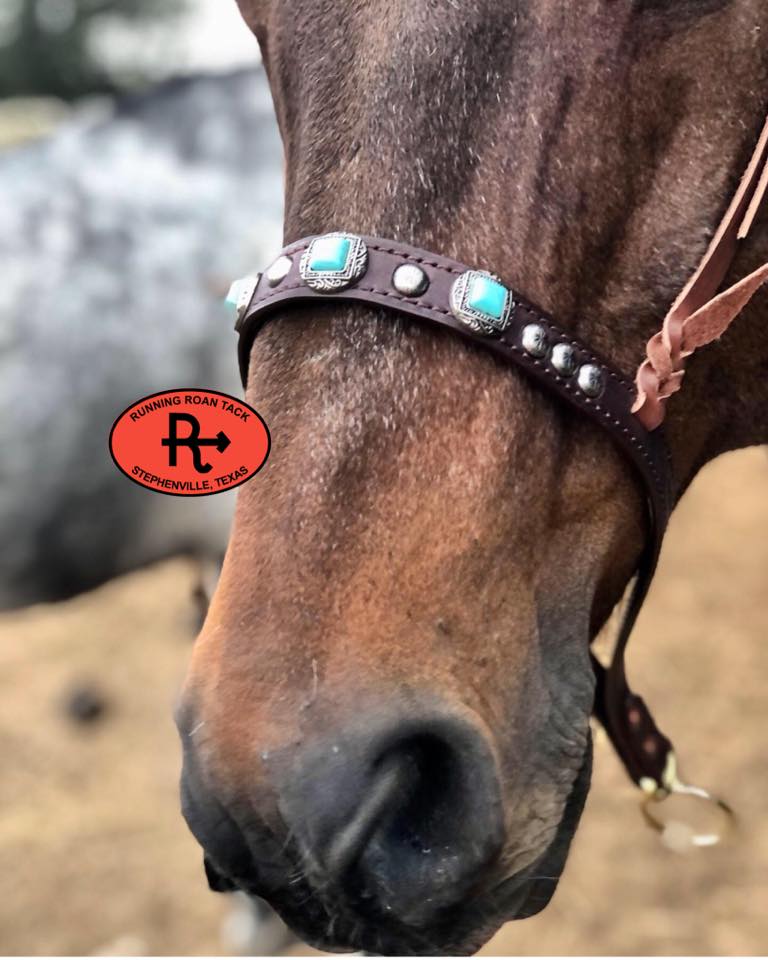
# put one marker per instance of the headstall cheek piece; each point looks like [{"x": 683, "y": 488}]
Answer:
[{"x": 478, "y": 306}]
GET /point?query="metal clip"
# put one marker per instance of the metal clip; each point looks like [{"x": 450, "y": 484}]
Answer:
[{"x": 676, "y": 834}]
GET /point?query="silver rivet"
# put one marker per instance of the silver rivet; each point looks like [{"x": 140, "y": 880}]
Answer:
[
  {"x": 534, "y": 339},
  {"x": 591, "y": 380},
  {"x": 564, "y": 359},
  {"x": 278, "y": 271},
  {"x": 410, "y": 280}
]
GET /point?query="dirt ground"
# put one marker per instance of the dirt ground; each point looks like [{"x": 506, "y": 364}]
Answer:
[{"x": 94, "y": 856}]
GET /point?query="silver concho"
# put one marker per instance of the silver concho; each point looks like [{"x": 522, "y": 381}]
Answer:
[
  {"x": 591, "y": 380},
  {"x": 240, "y": 295},
  {"x": 338, "y": 276},
  {"x": 535, "y": 340},
  {"x": 564, "y": 359},
  {"x": 473, "y": 316}
]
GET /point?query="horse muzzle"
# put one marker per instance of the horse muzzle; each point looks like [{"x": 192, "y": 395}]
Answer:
[
  {"x": 403, "y": 818},
  {"x": 373, "y": 836}
]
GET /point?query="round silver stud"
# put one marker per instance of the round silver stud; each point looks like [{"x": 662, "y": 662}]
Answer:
[
  {"x": 278, "y": 271},
  {"x": 591, "y": 380},
  {"x": 410, "y": 280},
  {"x": 534, "y": 339},
  {"x": 564, "y": 359}
]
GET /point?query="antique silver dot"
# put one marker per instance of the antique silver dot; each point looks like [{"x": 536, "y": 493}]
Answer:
[
  {"x": 591, "y": 380},
  {"x": 564, "y": 359},
  {"x": 534, "y": 339},
  {"x": 410, "y": 280},
  {"x": 278, "y": 271}
]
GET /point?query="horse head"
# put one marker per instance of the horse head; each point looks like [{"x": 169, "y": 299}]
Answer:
[{"x": 386, "y": 720}]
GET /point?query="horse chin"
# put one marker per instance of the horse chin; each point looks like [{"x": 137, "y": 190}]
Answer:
[
  {"x": 469, "y": 926},
  {"x": 542, "y": 878}
]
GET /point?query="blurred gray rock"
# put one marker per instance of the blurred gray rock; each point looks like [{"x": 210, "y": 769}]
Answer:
[{"x": 118, "y": 240}]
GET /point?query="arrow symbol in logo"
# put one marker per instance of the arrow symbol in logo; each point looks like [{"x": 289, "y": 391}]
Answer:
[
  {"x": 193, "y": 440},
  {"x": 221, "y": 441}
]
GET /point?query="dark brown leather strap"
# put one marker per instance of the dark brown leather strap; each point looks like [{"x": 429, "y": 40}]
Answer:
[
  {"x": 532, "y": 342},
  {"x": 612, "y": 410}
]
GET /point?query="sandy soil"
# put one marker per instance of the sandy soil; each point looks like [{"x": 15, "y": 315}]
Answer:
[{"x": 95, "y": 856}]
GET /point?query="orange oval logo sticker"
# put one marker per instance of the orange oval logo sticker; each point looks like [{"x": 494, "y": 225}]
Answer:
[{"x": 189, "y": 443}]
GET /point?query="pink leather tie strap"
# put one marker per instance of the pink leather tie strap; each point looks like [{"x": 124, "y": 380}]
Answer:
[
  {"x": 479, "y": 307},
  {"x": 700, "y": 314}
]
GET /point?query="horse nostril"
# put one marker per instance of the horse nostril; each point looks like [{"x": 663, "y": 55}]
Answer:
[
  {"x": 388, "y": 782},
  {"x": 408, "y": 800},
  {"x": 401, "y": 822}
]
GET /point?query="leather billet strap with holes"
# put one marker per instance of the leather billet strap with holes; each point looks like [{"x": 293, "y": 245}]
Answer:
[{"x": 628, "y": 723}]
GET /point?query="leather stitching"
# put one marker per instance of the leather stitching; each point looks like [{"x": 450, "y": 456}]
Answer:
[{"x": 523, "y": 313}]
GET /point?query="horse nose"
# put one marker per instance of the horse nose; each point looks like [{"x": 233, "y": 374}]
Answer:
[{"x": 401, "y": 819}]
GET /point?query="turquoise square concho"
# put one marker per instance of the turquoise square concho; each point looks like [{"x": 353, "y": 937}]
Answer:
[
  {"x": 482, "y": 302},
  {"x": 333, "y": 262}
]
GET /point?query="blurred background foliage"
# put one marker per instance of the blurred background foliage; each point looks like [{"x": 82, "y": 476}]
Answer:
[{"x": 55, "y": 47}]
